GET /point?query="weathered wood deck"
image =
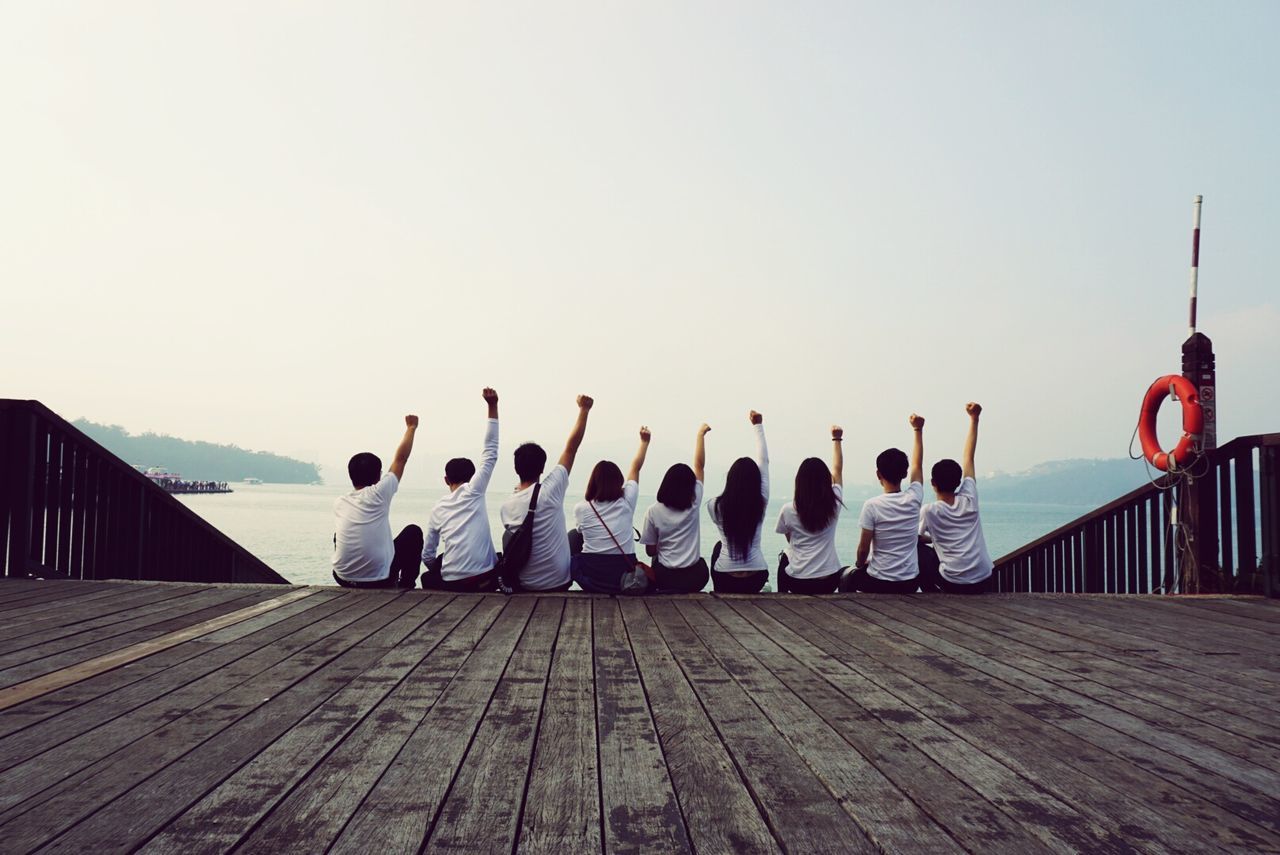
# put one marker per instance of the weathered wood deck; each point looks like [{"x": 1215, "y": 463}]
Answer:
[{"x": 184, "y": 718}]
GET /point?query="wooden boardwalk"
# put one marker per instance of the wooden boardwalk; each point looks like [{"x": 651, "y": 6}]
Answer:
[{"x": 185, "y": 718}]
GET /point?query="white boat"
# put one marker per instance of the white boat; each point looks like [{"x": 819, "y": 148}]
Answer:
[{"x": 253, "y": 480}]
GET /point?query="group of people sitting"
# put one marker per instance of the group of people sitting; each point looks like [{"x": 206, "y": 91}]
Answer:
[{"x": 906, "y": 545}]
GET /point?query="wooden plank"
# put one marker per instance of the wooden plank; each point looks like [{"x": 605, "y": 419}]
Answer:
[
  {"x": 967, "y": 816},
  {"x": 229, "y": 811},
  {"x": 1025, "y": 736},
  {"x": 60, "y": 715},
  {"x": 297, "y": 723},
  {"x": 312, "y": 815},
  {"x": 59, "y": 654},
  {"x": 64, "y": 619},
  {"x": 938, "y": 729},
  {"x": 60, "y": 612},
  {"x": 702, "y": 772},
  {"x": 561, "y": 811},
  {"x": 1239, "y": 778},
  {"x": 638, "y": 806},
  {"x": 801, "y": 811},
  {"x": 20, "y": 594},
  {"x": 271, "y": 701},
  {"x": 482, "y": 808},
  {"x": 399, "y": 810},
  {"x": 880, "y": 808}
]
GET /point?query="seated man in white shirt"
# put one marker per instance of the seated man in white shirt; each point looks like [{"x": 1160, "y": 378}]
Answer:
[
  {"x": 887, "y": 561},
  {"x": 547, "y": 568},
  {"x": 457, "y": 549},
  {"x": 958, "y": 561},
  {"x": 364, "y": 553}
]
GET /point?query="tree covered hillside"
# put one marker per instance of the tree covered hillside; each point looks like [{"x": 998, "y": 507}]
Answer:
[{"x": 199, "y": 461}]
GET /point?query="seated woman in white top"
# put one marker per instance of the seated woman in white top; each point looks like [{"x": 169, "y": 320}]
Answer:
[
  {"x": 737, "y": 562},
  {"x": 810, "y": 564},
  {"x": 606, "y": 563},
  {"x": 670, "y": 531}
]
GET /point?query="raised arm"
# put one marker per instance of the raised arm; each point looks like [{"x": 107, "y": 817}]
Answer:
[
  {"x": 700, "y": 451},
  {"x": 762, "y": 451},
  {"x": 576, "y": 435},
  {"x": 638, "y": 463},
  {"x": 489, "y": 455},
  {"x": 401, "y": 457},
  {"x": 971, "y": 441},
  {"x": 837, "y": 455},
  {"x": 917, "y": 449}
]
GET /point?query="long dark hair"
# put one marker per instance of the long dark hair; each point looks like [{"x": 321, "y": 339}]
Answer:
[
  {"x": 678, "y": 488},
  {"x": 741, "y": 507},
  {"x": 605, "y": 483},
  {"x": 815, "y": 499}
]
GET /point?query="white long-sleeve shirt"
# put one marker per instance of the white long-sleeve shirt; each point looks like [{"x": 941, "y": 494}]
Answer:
[
  {"x": 459, "y": 523},
  {"x": 755, "y": 556}
]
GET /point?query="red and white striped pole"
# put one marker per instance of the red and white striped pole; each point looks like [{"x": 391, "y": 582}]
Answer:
[{"x": 1195, "y": 260}]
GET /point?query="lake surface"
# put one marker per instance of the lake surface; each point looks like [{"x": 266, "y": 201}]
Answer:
[{"x": 290, "y": 527}]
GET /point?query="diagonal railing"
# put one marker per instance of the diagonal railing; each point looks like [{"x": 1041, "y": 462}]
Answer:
[
  {"x": 1134, "y": 544},
  {"x": 71, "y": 509}
]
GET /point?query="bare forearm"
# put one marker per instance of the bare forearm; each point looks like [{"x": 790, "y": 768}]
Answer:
[
  {"x": 837, "y": 461},
  {"x": 971, "y": 448},
  {"x": 638, "y": 463},
  {"x": 406, "y": 445},
  {"x": 700, "y": 455},
  {"x": 917, "y": 456}
]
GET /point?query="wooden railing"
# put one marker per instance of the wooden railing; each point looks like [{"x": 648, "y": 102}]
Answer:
[
  {"x": 71, "y": 509},
  {"x": 1130, "y": 546}
]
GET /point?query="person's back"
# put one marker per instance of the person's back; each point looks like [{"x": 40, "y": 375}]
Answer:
[
  {"x": 547, "y": 568},
  {"x": 364, "y": 553},
  {"x": 458, "y": 529},
  {"x": 607, "y": 527},
  {"x": 958, "y": 562},
  {"x": 887, "y": 562},
  {"x": 605, "y": 562},
  {"x": 738, "y": 565},
  {"x": 810, "y": 564},
  {"x": 671, "y": 529}
]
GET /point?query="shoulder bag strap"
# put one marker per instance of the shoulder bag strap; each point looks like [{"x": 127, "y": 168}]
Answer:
[{"x": 606, "y": 528}]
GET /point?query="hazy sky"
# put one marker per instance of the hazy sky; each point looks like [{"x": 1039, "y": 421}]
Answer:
[{"x": 284, "y": 225}]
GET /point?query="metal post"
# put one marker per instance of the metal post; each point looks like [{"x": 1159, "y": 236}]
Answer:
[{"x": 1195, "y": 261}]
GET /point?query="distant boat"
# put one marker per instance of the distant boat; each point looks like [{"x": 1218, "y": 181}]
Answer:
[{"x": 253, "y": 480}]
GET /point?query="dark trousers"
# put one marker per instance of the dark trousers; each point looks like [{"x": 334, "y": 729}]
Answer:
[
  {"x": 481, "y": 583},
  {"x": 731, "y": 583},
  {"x": 860, "y": 580},
  {"x": 679, "y": 580},
  {"x": 932, "y": 580},
  {"x": 788, "y": 584},
  {"x": 404, "y": 563}
]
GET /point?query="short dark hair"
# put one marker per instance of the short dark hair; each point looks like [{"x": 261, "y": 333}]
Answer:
[
  {"x": 892, "y": 465},
  {"x": 946, "y": 475},
  {"x": 365, "y": 469},
  {"x": 459, "y": 470},
  {"x": 530, "y": 461},
  {"x": 605, "y": 483},
  {"x": 678, "y": 488}
]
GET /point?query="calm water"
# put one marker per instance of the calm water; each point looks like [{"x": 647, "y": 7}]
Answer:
[{"x": 290, "y": 527}]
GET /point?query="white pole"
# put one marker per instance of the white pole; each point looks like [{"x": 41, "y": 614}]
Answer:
[{"x": 1195, "y": 260}]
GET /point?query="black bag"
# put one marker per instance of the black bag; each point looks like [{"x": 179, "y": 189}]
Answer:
[{"x": 517, "y": 543}]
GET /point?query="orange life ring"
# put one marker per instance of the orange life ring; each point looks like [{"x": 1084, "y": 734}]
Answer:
[{"x": 1192, "y": 423}]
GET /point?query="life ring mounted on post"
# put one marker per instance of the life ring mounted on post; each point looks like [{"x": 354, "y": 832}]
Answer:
[{"x": 1192, "y": 423}]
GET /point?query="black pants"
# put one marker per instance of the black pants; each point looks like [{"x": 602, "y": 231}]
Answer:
[
  {"x": 731, "y": 583},
  {"x": 404, "y": 563},
  {"x": 481, "y": 583},
  {"x": 860, "y": 580},
  {"x": 679, "y": 580},
  {"x": 788, "y": 584},
  {"x": 932, "y": 580}
]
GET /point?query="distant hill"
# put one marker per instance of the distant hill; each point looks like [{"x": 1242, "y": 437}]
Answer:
[
  {"x": 1065, "y": 482},
  {"x": 199, "y": 461}
]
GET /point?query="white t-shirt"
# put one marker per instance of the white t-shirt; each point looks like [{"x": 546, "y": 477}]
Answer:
[
  {"x": 363, "y": 546},
  {"x": 618, "y": 514},
  {"x": 810, "y": 555},
  {"x": 894, "y": 520},
  {"x": 957, "y": 536},
  {"x": 676, "y": 533},
  {"x": 754, "y": 559},
  {"x": 459, "y": 523},
  {"x": 548, "y": 565}
]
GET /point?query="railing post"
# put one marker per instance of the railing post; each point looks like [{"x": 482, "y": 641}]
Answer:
[
  {"x": 1092, "y": 559},
  {"x": 22, "y": 447},
  {"x": 1270, "y": 496}
]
